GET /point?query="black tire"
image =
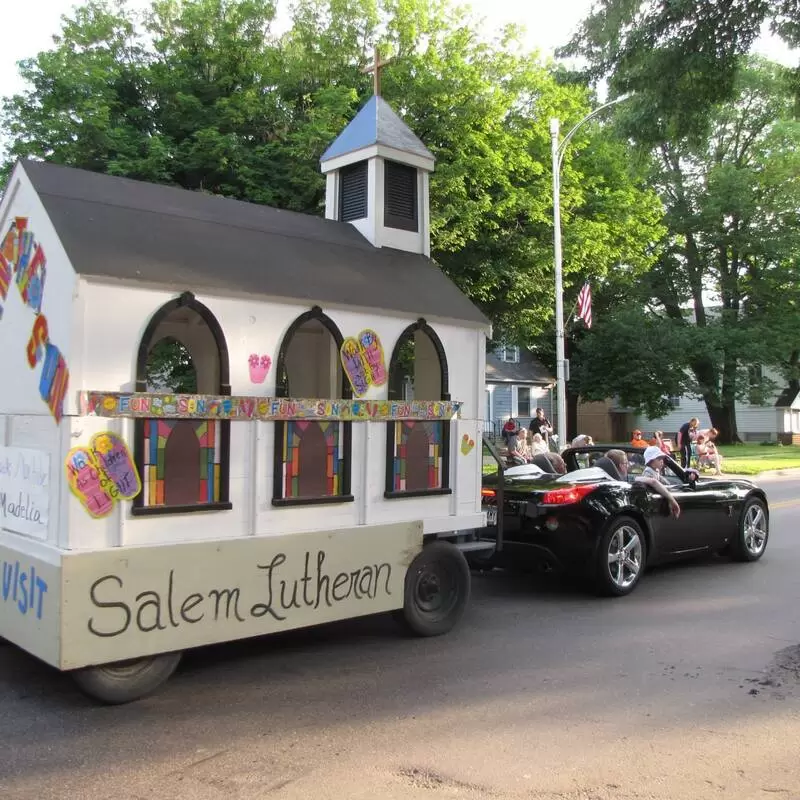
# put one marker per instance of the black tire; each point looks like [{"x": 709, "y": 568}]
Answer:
[
  {"x": 753, "y": 531},
  {"x": 436, "y": 592},
  {"x": 126, "y": 681},
  {"x": 620, "y": 578}
]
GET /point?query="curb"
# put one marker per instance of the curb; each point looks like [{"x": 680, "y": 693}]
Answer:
[{"x": 771, "y": 474}]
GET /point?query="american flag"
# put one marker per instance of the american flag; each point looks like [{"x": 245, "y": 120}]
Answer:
[{"x": 585, "y": 305}]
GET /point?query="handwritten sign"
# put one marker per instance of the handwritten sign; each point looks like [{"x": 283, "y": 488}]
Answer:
[
  {"x": 24, "y": 491},
  {"x": 265, "y": 409},
  {"x": 363, "y": 361},
  {"x": 102, "y": 473}
]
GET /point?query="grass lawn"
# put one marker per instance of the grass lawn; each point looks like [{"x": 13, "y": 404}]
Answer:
[
  {"x": 738, "y": 459},
  {"x": 750, "y": 459}
]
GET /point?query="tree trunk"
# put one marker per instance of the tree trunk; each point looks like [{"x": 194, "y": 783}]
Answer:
[{"x": 723, "y": 418}]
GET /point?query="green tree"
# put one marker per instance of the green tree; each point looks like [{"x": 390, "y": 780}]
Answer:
[
  {"x": 722, "y": 296},
  {"x": 211, "y": 99},
  {"x": 679, "y": 58}
]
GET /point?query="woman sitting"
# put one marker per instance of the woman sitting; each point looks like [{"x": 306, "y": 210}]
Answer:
[
  {"x": 658, "y": 441},
  {"x": 509, "y": 429},
  {"x": 517, "y": 448},
  {"x": 638, "y": 441},
  {"x": 708, "y": 455},
  {"x": 538, "y": 445}
]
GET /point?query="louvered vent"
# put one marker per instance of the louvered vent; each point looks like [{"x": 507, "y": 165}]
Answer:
[
  {"x": 353, "y": 195},
  {"x": 400, "y": 203}
]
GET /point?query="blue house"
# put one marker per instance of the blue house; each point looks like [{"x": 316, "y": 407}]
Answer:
[{"x": 516, "y": 385}]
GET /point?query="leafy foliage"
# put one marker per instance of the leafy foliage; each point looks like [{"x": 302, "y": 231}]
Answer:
[
  {"x": 203, "y": 94},
  {"x": 679, "y": 58}
]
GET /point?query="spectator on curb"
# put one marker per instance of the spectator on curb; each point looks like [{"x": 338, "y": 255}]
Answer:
[
  {"x": 686, "y": 435},
  {"x": 637, "y": 440}
]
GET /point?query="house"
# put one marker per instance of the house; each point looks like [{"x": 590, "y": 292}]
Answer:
[
  {"x": 776, "y": 419},
  {"x": 516, "y": 385}
]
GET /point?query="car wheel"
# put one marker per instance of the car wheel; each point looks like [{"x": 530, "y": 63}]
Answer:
[
  {"x": 620, "y": 558},
  {"x": 751, "y": 541},
  {"x": 437, "y": 589},
  {"x": 126, "y": 681}
]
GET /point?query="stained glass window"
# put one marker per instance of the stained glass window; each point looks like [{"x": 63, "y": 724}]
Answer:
[
  {"x": 312, "y": 459},
  {"x": 417, "y": 456},
  {"x": 182, "y": 462}
]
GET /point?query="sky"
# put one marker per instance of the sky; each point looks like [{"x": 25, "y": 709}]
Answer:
[{"x": 548, "y": 24}]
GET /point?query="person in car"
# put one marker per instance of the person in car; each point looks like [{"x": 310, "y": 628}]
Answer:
[
  {"x": 582, "y": 440},
  {"x": 650, "y": 477}
]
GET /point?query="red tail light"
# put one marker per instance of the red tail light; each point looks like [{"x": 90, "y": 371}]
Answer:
[
  {"x": 567, "y": 495},
  {"x": 488, "y": 493}
]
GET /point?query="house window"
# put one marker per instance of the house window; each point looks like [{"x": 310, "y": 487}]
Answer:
[
  {"x": 353, "y": 192},
  {"x": 510, "y": 355},
  {"x": 183, "y": 462},
  {"x": 755, "y": 385},
  {"x": 312, "y": 459},
  {"x": 418, "y": 452},
  {"x": 674, "y": 402},
  {"x": 523, "y": 401},
  {"x": 400, "y": 196}
]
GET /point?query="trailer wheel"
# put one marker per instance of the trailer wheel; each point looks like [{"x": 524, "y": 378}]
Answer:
[
  {"x": 125, "y": 681},
  {"x": 436, "y": 590}
]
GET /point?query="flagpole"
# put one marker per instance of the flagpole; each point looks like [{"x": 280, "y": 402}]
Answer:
[{"x": 557, "y": 153}]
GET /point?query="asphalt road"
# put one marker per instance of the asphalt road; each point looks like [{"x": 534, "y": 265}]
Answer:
[{"x": 689, "y": 688}]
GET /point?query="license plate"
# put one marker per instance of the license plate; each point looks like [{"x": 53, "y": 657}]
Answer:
[{"x": 491, "y": 515}]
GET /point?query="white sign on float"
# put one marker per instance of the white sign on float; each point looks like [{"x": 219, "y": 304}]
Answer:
[{"x": 24, "y": 491}]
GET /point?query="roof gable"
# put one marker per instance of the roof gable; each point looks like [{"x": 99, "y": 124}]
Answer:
[
  {"x": 376, "y": 123},
  {"x": 528, "y": 370},
  {"x": 124, "y": 229}
]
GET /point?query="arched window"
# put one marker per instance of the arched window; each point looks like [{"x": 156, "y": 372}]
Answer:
[
  {"x": 312, "y": 459},
  {"x": 418, "y": 453},
  {"x": 183, "y": 462}
]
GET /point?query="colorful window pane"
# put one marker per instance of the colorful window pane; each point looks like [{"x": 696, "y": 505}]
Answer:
[
  {"x": 182, "y": 461},
  {"x": 312, "y": 459},
  {"x": 417, "y": 456}
]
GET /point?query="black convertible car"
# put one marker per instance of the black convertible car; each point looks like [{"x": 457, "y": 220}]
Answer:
[{"x": 608, "y": 526}]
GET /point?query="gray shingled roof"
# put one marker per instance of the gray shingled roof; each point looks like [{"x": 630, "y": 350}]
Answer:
[
  {"x": 528, "y": 370},
  {"x": 120, "y": 228},
  {"x": 376, "y": 123}
]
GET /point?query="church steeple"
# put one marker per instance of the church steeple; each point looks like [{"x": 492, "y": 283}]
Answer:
[{"x": 378, "y": 176}]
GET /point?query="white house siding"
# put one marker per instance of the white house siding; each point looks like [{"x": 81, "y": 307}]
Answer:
[{"x": 755, "y": 423}]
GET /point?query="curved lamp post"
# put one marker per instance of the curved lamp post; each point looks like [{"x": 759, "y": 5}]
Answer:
[{"x": 558, "y": 149}]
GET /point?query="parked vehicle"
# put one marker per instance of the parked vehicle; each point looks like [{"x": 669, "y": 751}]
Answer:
[{"x": 608, "y": 527}]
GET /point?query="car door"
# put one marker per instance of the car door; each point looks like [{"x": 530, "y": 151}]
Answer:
[{"x": 704, "y": 515}]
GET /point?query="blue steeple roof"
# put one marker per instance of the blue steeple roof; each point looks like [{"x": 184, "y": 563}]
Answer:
[{"x": 376, "y": 123}]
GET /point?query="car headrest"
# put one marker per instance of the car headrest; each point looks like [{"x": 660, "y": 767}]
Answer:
[
  {"x": 607, "y": 465},
  {"x": 543, "y": 462}
]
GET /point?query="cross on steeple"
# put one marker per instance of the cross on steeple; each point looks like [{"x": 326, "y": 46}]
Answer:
[{"x": 375, "y": 67}]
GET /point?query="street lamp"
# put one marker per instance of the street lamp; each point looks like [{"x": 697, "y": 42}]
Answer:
[{"x": 558, "y": 155}]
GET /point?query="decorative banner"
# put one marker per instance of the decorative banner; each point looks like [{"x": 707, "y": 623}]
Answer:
[
  {"x": 24, "y": 491},
  {"x": 259, "y": 367},
  {"x": 264, "y": 409},
  {"x": 467, "y": 444},
  {"x": 22, "y": 258},
  {"x": 363, "y": 361},
  {"x": 102, "y": 473}
]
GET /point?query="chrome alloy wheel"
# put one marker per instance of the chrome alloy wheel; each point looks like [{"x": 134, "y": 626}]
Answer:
[
  {"x": 755, "y": 530},
  {"x": 625, "y": 556}
]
